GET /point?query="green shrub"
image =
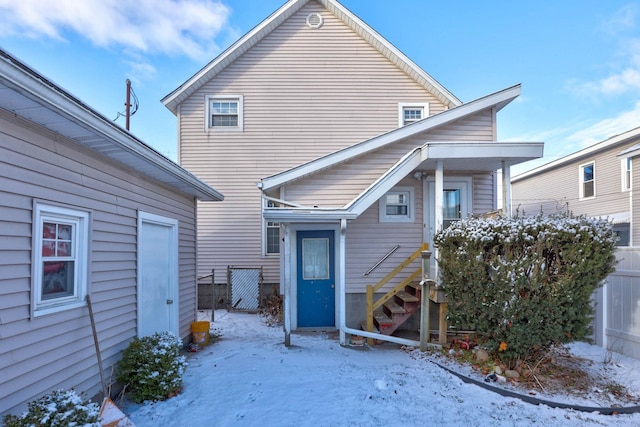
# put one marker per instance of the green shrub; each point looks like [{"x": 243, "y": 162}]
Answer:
[
  {"x": 524, "y": 284},
  {"x": 60, "y": 408},
  {"x": 152, "y": 367}
]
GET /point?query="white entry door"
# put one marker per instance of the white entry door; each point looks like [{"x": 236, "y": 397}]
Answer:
[{"x": 157, "y": 274}]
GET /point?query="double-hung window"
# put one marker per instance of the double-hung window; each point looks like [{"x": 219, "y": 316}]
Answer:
[
  {"x": 587, "y": 180},
  {"x": 397, "y": 205},
  {"x": 224, "y": 113},
  {"x": 409, "y": 113},
  {"x": 272, "y": 234},
  {"x": 60, "y": 258},
  {"x": 626, "y": 174}
]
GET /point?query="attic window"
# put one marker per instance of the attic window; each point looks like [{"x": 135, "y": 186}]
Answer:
[{"x": 314, "y": 20}]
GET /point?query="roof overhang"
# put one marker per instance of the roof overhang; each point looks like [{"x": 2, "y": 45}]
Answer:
[
  {"x": 31, "y": 96},
  {"x": 620, "y": 139},
  {"x": 496, "y": 100},
  {"x": 297, "y": 215},
  {"x": 459, "y": 156},
  {"x": 481, "y": 156},
  {"x": 250, "y": 39}
]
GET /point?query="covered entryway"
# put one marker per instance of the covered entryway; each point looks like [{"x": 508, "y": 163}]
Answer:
[
  {"x": 315, "y": 252},
  {"x": 157, "y": 274}
]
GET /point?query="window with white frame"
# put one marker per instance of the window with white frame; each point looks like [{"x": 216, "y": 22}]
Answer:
[
  {"x": 60, "y": 258},
  {"x": 411, "y": 112},
  {"x": 397, "y": 205},
  {"x": 272, "y": 234},
  {"x": 224, "y": 113},
  {"x": 587, "y": 180},
  {"x": 626, "y": 174}
]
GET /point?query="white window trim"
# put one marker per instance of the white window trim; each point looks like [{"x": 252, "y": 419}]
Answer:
[
  {"x": 382, "y": 206},
  {"x": 265, "y": 235},
  {"x": 626, "y": 183},
  {"x": 581, "y": 173},
  {"x": 403, "y": 105},
  {"x": 81, "y": 219},
  {"x": 207, "y": 117}
]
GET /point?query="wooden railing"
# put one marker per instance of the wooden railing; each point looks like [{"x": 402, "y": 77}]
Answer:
[{"x": 372, "y": 306}]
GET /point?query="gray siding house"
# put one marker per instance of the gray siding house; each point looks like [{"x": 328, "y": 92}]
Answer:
[
  {"x": 595, "y": 181},
  {"x": 358, "y": 154},
  {"x": 86, "y": 209},
  {"x": 598, "y": 181}
]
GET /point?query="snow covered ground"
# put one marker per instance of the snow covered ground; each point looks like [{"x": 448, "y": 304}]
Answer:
[{"x": 249, "y": 378}]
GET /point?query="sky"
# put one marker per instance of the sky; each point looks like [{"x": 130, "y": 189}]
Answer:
[
  {"x": 578, "y": 60},
  {"x": 249, "y": 378}
]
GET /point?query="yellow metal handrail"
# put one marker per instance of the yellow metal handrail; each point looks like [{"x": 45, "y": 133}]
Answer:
[{"x": 371, "y": 289}]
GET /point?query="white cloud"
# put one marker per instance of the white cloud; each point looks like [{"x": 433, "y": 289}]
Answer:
[
  {"x": 607, "y": 128},
  {"x": 624, "y": 19},
  {"x": 624, "y": 77},
  {"x": 187, "y": 27}
]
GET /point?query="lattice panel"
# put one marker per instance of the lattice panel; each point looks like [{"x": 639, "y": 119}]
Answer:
[{"x": 245, "y": 287}]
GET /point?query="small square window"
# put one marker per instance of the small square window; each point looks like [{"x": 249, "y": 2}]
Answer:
[
  {"x": 409, "y": 113},
  {"x": 224, "y": 113},
  {"x": 397, "y": 205},
  {"x": 587, "y": 180},
  {"x": 60, "y": 258}
]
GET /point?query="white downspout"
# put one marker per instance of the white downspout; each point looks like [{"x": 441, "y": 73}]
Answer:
[
  {"x": 287, "y": 285},
  {"x": 439, "y": 211},
  {"x": 342, "y": 301}
]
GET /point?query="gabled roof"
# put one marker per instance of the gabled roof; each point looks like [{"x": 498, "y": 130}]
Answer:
[
  {"x": 496, "y": 100},
  {"x": 480, "y": 155},
  {"x": 250, "y": 39},
  {"x": 620, "y": 139},
  {"x": 30, "y": 95}
]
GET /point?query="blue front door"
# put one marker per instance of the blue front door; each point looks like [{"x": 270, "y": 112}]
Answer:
[{"x": 316, "y": 279}]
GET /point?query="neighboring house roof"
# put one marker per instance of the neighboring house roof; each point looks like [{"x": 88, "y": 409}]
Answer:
[
  {"x": 28, "y": 94},
  {"x": 620, "y": 139},
  {"x": 175, "y": 98},
  {"x": 498, "y": 100},
  {"x": 455, "y": 155}
]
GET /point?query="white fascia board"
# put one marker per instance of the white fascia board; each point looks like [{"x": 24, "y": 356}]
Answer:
[
  {"x": 389, "y": 50},
  {"x": 511, "y": 151},
  {"x": 46, "y": 93},
  {"x": 607, "y": 143},
  {"x": 506, "y": 95},
  {"x": 230, "y": 54},
  {"x": 307, "y": 215},
  {"x": 386, "y": 182}
]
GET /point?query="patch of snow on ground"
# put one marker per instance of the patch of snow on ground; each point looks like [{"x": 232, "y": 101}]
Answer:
[{"x": 250, "y": 378}]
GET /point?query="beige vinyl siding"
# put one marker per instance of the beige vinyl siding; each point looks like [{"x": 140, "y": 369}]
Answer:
[
  {"x": 365, "y": 248},
  {"x": 307, "y": 92},
  {"x": 342, "y": 183},
  {"x": 558, "y": 190},
  {"x": 37, "y": 164}
]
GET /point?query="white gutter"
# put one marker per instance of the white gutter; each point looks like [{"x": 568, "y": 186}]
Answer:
[{"x": 29, "y": 83}]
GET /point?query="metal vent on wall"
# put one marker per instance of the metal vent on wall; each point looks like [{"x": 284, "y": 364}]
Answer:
[{"x": 314, "y": 20}]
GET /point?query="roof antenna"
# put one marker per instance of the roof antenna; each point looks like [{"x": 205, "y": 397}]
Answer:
[
  {"x": 129, "y": 111},
  {"x": 127, "y": 104}
]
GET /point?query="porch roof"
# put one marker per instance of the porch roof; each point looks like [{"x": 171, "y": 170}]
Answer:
[
  {"x": 495, "y": 100},
  {"x": 459, "y": 156}
]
